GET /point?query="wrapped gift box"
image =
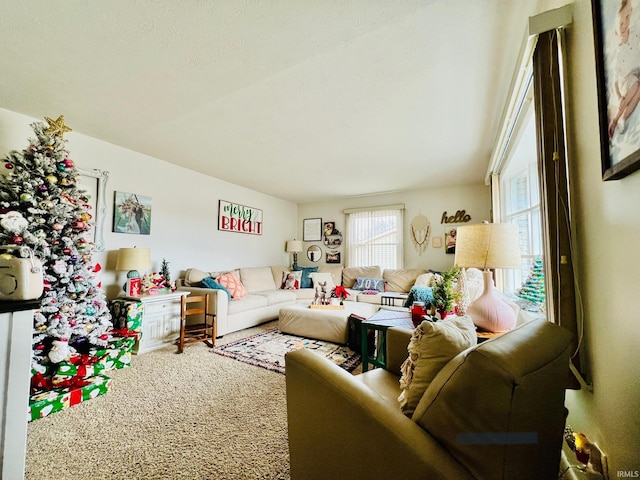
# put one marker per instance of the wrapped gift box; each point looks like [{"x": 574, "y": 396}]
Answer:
[
  {"x": 46, "y": 403},
  {"x": 126, "y": 314}
]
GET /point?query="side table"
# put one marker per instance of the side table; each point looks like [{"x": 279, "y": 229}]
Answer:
[
  {"x": 380, "y": 322},
  {"x": 160, "y": 320},
  {"x": 388, "y": 299}
]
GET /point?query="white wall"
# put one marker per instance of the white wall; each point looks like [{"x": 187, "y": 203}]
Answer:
[
  {"x": 184, "y": 208},
  {"x": 432, "y": 203},
  {"x": 606, "y": 220}
]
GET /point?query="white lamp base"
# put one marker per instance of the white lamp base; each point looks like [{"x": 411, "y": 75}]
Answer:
[{"x": 489, "y": 311}]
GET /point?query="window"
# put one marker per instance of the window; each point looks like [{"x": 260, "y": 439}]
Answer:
[
  {"x": 520, "y": 195},
  {"x": 374, "y": 237}
]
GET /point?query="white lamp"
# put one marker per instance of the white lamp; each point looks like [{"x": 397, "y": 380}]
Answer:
[
  {"x": 295, "y": 247},
  {"x": 134, "y": 259},
  {"x": 486, "y": 246}
]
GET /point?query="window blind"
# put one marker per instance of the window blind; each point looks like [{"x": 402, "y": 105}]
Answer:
[{"x": 374, "y": 237}]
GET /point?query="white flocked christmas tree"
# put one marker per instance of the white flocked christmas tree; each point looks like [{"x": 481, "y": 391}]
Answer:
[{"x": 42, "y": 208}]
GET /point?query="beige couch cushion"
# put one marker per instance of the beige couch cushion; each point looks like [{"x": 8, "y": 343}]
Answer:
[
  {"x": 431, "y": 347},
  {"x": 350, "y": 274},
  {"x": 193, "y": 276},
  {"x": 257, "y": 279},
  {"x": 334, "y": 270},
  {"x": 401, "y": 280},
  {"x": 277, "y": 272}
]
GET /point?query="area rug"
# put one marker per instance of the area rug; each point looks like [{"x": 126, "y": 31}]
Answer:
[{"x": 267, "y": 350}]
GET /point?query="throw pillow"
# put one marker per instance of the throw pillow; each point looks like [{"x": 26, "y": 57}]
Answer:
[
  {"x": 431, "y": 347},
  {"x": 231, "y": 281},
  {"x": 305, "y": 281},
  {"x": 321, "y": 277},
  {"x": 419, "y": 294},
  {"x": 364, "y": 283},
  {"x": 210, "y": 282},
  {"x": 424, "y": 280},
  {"x": 291, "y": 280}
]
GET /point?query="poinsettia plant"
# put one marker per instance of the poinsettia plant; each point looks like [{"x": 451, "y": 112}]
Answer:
[{"x": 339, "y": 292}]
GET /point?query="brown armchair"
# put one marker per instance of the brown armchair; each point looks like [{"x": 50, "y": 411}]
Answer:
[{"x": 496, "y": 411}]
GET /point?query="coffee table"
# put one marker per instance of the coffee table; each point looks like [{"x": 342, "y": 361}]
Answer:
[{"x": 322, "y": 324}]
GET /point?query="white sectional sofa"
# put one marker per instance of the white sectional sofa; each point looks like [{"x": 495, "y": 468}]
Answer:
[{"x": 264, "y": 296}]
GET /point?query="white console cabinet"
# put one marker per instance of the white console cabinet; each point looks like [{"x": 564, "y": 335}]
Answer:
[
  {"x": 16, "y": 331},
  {"x": 160, "y": 321}
]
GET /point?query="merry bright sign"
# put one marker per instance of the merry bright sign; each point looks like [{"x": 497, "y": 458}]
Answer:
[{"x": 239, "y": 218}]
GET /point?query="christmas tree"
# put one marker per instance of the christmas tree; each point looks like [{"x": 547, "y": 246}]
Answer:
[
  {"x": 42, "y": 208},
  {"x": 533, "y": 287}
]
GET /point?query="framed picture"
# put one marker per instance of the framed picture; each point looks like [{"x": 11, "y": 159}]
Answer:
[
  {"x": 233, "y": 217},
  {"x": 331, "y": 235},
  {"x": 312, "y": 229},
  {"x": 618, "y": 75},
  {"x": 450, "y": 236},
  {"x": 132, "y": 213},
  {"x": 94, "y": 183},
  {"x": 332, "y": 257}
]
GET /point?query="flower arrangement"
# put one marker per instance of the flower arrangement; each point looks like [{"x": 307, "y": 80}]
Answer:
[{"x": 339, "y": 292}]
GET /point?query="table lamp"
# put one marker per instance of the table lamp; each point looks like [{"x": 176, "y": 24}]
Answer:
[
  {"x": 485, "y": 246},
  {"x": 132, "y": 260},
  {"x": 295, "y": 247}
]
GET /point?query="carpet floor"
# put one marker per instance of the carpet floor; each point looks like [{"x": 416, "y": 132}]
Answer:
[{"x": 169, "y": 416}]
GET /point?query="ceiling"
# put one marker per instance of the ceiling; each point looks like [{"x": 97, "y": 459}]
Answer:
[{"x": 301, "y": 99}]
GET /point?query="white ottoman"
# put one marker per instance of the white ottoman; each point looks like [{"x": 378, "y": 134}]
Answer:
[{"x": 329, "y": 325}]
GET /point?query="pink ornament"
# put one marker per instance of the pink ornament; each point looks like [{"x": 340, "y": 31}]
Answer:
[
  {"x": 17, "y": 239},
  {"x": 68, "y": 163},
  {"x": 78, "y": 225},
  {"x": 57, "y": 227}
]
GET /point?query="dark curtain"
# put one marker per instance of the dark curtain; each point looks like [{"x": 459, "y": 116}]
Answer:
[{"x": 554, "y": 189}]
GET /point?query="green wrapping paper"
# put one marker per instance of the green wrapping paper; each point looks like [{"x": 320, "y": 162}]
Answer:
[
  {"x": 46, "y": 403},
  {"x": 126, "y": 314},
  {"x": 98, "y": 361}
]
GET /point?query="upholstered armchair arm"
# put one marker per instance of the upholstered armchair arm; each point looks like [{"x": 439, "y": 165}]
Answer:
[
  {"x": 340, "y": 428},
  {"x": 397, "y": 341}
]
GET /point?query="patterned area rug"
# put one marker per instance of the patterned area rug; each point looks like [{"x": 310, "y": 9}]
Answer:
[{"x": 267, "y": 350}]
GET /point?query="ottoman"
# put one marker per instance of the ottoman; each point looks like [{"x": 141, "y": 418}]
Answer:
[{"x": 328, "y": 325}]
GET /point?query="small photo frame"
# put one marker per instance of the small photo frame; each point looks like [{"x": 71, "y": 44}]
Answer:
[
  {"x": 312, "y": 229},
  {"x": 132, "y": 213},
  {"x": 332, "y": 257},
  {"x": 450, "y": 236}
]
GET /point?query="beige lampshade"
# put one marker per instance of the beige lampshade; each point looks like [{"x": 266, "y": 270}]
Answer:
[
  {"x": 488, "y": 245},
  {"x": 134, "y": 259},
  {"x": 294, "y": 246}
]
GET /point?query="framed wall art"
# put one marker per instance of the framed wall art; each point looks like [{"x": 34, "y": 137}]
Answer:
[
  {"x": 616, "y": 27},
  {"x": 132, "y": 213},
  {"x": 332, "y": 257},
  {"x": 312, "y": 229},
  {"x": 450, "y": 236},
  {"x": 233, "y": 217}
]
